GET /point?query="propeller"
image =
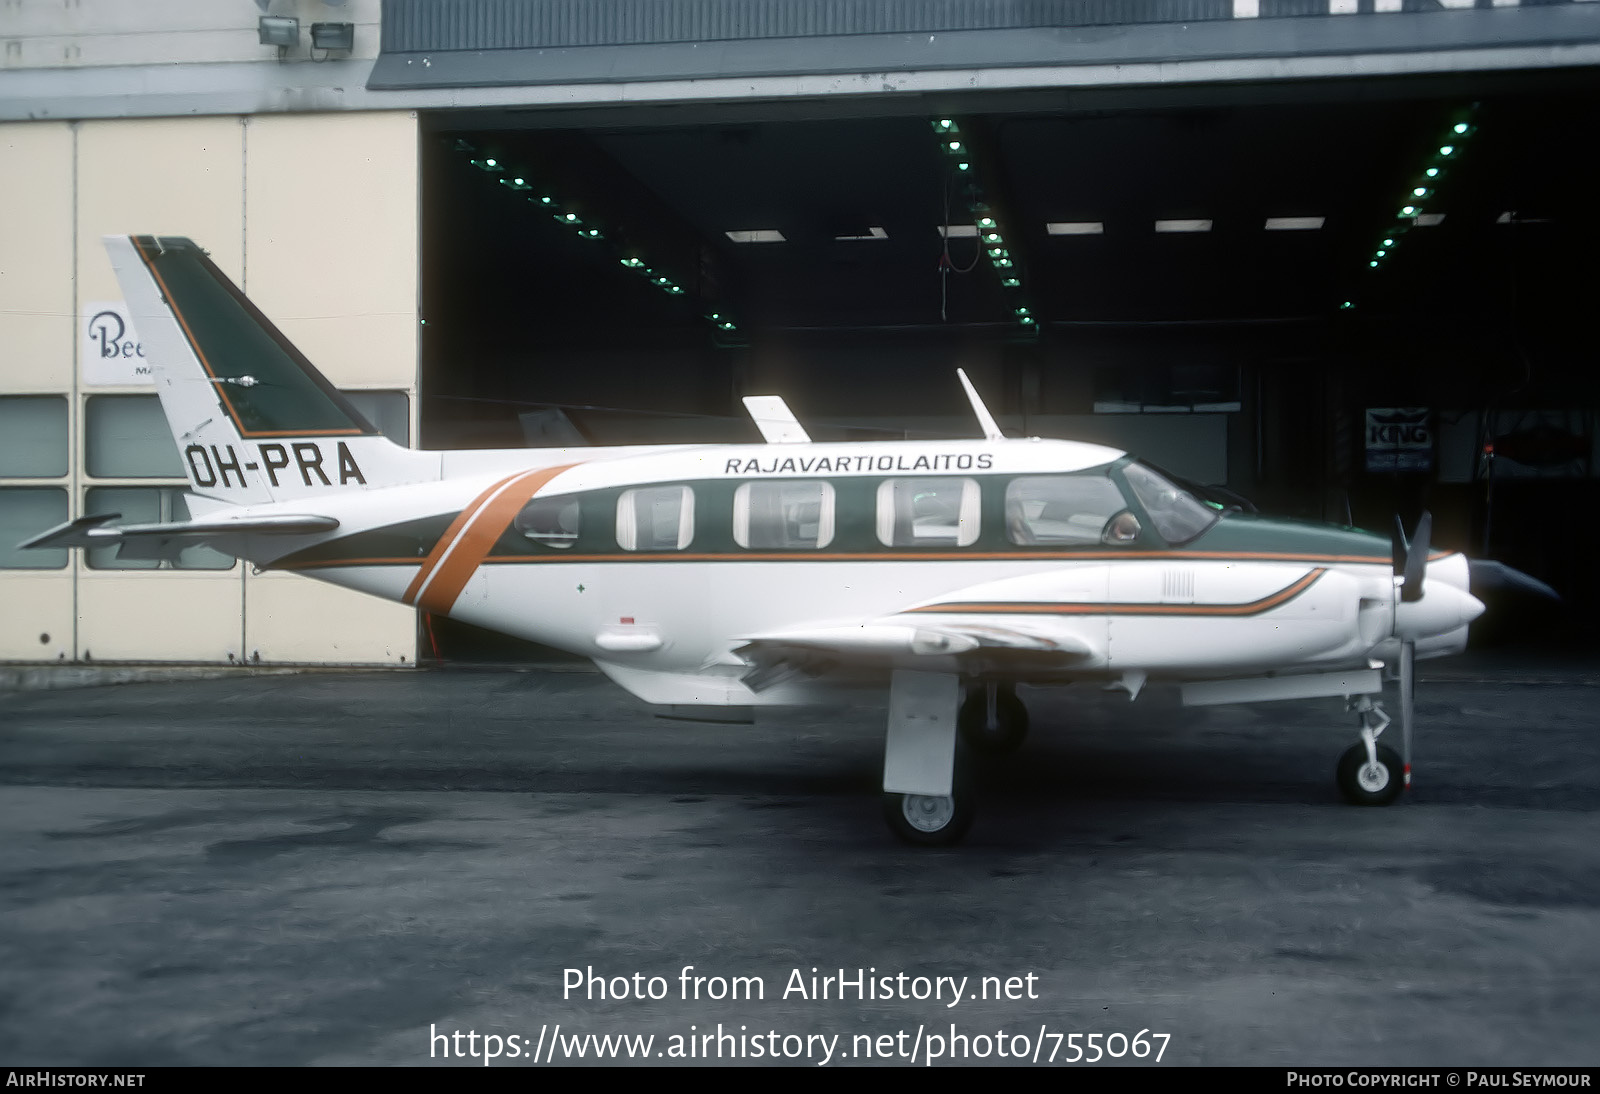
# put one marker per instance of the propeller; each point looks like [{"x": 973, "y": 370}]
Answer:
[
  {"x": 1411, "y": 559},
  {"x": 1411, "y": 566}
]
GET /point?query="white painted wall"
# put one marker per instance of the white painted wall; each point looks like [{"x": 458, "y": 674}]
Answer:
[
  {"x": 317, "y": 216},
  {"x": 78, "y": 33}
]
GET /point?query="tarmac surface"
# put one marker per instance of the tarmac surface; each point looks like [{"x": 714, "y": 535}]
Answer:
[{"x": 329, "y": 868}]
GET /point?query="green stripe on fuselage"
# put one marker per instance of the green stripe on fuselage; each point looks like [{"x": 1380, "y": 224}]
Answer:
[{"x": 1247, "y": 534}]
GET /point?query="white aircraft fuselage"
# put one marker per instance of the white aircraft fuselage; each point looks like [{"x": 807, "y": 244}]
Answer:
[{"x": 749, "y": 575}]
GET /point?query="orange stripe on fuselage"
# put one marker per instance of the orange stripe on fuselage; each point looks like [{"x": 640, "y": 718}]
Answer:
[
  {"x": 494, "y": 513},
  {"x": 442, "y": 546},
  {"x": 1254, "y": 607}
]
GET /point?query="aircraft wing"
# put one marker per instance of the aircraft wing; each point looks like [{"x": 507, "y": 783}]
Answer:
[
  {"x": 904, "y": 642},
  {"x": 155, "y": 541}
]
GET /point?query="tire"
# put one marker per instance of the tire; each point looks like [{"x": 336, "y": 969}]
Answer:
[
  {"x": 1362, "y": 784},
  {"x": 1011, "y": 714},
  {"x": 929, "y": 822}
]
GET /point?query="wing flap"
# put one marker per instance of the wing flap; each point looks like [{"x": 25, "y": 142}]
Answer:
[{"x": 890, "y": 643}]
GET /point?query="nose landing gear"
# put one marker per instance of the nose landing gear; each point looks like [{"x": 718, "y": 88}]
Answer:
[{"x": 1370, "y": 773}]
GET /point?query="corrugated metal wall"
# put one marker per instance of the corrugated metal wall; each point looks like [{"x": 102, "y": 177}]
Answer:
[{"x": 428, "y": 25}]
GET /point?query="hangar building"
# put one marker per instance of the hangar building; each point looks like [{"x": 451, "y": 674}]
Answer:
[{"x": 1335, "y": 256}]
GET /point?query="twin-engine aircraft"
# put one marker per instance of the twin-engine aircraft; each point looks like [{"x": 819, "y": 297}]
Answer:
[{"x": 715, "y": 579}]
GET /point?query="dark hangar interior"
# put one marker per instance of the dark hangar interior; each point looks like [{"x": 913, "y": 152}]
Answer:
[{"x": 1200, "y": 266}]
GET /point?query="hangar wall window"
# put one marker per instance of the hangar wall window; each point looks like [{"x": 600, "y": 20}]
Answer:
[
  {"x": 33, "y": 436},
  {"x": 655, "y": 518},
  {"x": 928, "y": 512},
  {"x": 550, "y": 521},
  {"x": 33, "y": 445},
  {"x": 148, "y": 505},
  {"x": 25, "y": 512},
  {"x": 1066, "y": 510},
  {"x": 783, "y": 515},
  {"x": 126, "y": 437}
]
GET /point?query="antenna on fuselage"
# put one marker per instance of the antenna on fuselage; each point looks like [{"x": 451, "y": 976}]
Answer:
[{"x": 991, "y": 428}]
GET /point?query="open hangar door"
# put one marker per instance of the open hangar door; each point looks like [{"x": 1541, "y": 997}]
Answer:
[{"x": 1225, "y": 280}]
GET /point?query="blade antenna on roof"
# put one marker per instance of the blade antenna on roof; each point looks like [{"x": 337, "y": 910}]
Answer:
[{"x": 991, "y": 428}]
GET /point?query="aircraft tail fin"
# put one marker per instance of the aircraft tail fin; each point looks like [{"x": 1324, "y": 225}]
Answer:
[{"x": 253, "y": 419}]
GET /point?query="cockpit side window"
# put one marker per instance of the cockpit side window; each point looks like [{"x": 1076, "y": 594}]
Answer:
[
  {"x": 1178, "y": 515},
  {"x": 1068, "y": 510}
]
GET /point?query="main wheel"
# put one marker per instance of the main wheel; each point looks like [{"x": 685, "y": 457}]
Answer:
[
  {"x": 1364, "y": 783},
  {"x": 929, "y": 821},
  {"x": 1010, "y": 726}
]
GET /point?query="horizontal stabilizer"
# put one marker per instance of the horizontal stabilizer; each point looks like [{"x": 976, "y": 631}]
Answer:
[{"x": 91, "y": 531}]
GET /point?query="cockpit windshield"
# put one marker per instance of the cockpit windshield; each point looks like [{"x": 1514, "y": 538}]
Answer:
[{"x": 1178, "y": 515}]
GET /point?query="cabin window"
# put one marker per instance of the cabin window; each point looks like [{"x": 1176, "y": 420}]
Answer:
[
  {"x": 1067, "y": 510},
  {"x": 928, "y": 512},
  {"x": 655, "y": 518},
  {"x": 550, "y": 521},
  {"x": 783, "y": 515}
]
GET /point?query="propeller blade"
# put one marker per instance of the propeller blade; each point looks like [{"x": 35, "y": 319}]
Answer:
[
  {"x": 1398, "y": 547},
  {"x": 1417, "y": 560},
  {"x": 1489, "y": 576},
  {"x": 1408, "y": 703}
]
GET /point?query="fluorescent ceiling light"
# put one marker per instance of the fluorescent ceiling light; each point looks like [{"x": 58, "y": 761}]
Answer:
[
  {"x": 1429, "y": 220},
  {"x": 1075, "y": 227},
  {"x": 958, "y": 231},
  {"x": 872, "y": 233},
  {"x": 1183, "y": 226},
  {"x": 1294, "y": 224},
  {"x": 757, "y": 235}
]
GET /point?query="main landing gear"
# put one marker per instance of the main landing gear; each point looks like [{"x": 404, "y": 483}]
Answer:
[
  {"x": 993, "y": 721},
  {"x": 1370, "y": 773},
  {"x": 927, "y": 799}
]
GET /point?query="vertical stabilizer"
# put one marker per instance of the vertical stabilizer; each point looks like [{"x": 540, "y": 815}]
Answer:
[{"x": 254, "y": 421}]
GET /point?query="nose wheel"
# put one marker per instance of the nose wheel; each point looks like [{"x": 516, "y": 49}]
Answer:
[{"x": 1370, "y": 773}]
